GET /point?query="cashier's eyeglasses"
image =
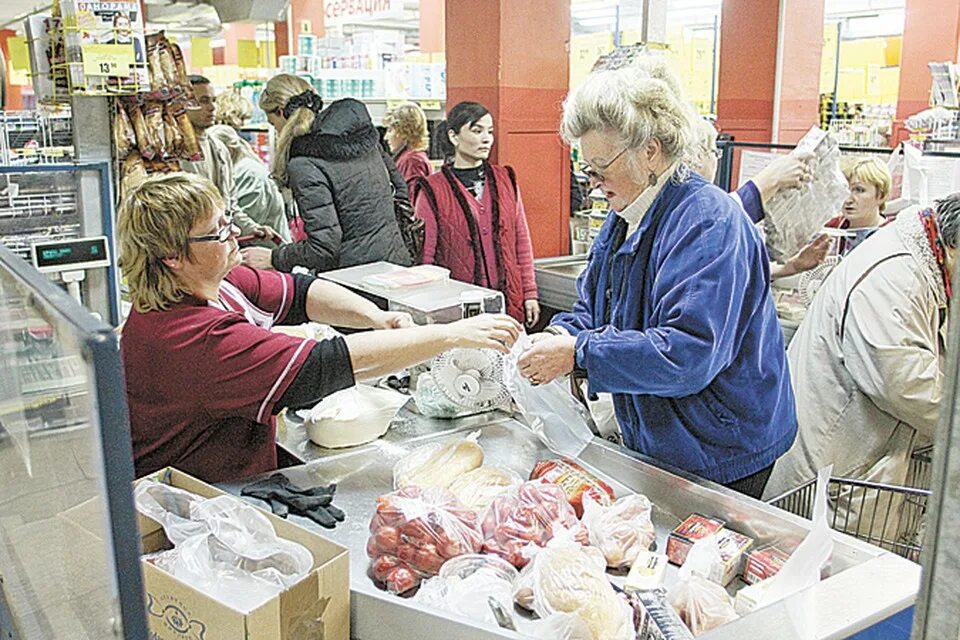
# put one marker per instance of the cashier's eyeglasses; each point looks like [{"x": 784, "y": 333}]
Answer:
[
  {"x": 222, "y": 235},
  {"x": 596, "y": 174}
]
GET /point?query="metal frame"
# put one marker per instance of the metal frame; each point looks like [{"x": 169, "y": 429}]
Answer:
[
  {"x": 106, "y": 219},
  {"x": 102, "y": 345}
]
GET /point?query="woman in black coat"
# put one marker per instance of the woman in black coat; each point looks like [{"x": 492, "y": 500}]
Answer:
[{"x": 342, "y": 182}]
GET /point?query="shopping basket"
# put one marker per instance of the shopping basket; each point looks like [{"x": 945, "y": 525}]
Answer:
[{"x": 888, "y": 516}]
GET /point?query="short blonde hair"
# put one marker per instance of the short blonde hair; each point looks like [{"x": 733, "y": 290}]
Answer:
[
  {"x": 153, "y": 223},
  {"x": 277, "y": 92},
  {"x": 870, "y": 171},
  {"x": 233, "y": 109},
  {"x": 635, "y": 106},
  {"x": 410, "y": 125}
]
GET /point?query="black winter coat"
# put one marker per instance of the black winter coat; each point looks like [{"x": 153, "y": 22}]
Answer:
[{"x": 343, "y": 185}]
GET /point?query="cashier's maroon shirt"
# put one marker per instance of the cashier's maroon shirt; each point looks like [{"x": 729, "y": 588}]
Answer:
[{"x": 203, "y": 378}]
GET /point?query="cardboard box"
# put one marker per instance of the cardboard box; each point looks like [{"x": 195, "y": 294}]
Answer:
[
  {"x": 176, "y": 611},
  {"x": 733, "y": 550},
  {"x": 647, "y": 572},
  {"x": 695, "y": 527},
  {"x": 763, "y": 563}
]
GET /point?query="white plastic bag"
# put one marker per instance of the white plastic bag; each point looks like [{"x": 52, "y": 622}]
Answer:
[
  {"x": 702, "y": 604},
  {"x": 549, "y": 410},
  {"x": 353, "y": 416},
  {"x": 621, "y": 530},
  {"x": 465, "y": 584},
  {"x": 438, "y": 464}
]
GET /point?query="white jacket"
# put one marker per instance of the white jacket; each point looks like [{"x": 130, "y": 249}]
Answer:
[{"x": 867, "y": 363}]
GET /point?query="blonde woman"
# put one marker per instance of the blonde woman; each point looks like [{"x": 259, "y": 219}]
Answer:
[
  {"x": 257, "y": 194},
  {"x": 233, "y": 109},
  {"x": 862, "y": 213},
  {"x": 331, "y": 160},
  {"x": 408, "y": 138}
]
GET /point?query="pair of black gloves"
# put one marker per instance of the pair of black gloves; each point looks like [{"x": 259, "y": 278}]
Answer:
[{"x": 285, "y": 498}]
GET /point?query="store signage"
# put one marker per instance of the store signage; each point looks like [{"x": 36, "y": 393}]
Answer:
[
  {"x": 108, "y": 59},
  {"x": 337, "y": 12}
]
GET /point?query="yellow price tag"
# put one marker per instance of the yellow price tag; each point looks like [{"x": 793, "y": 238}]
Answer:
[
  {"x": 393, "y": 104},
  {"x": 108, "y": 59},
  {"x": 430, "y": 105}
]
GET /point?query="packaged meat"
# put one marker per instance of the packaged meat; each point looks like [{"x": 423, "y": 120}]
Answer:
[
  {"x": 620, "y": 530},
  {"x": 438, "y": 464},
  {"x": 647, "y": 572},
  {"x": 654, "y": 618},
  {"x": 694, "y": 528},
  {"x": 145, "y": 141},
  {"x": 566, "y": 577},
  {"x": 191, "y": 146},
  {"x": 516, "y": 521},
  {"x": 763, "y": 563},
  {"x": 477, "y": 489},
  {"x": 414, "y": 531},
  {"x": 733, "y": 549},
  {"x": 124, "y": 137},
  {"x": 153, "y": 118},
  {"x": 574, "y": 480},
  {"x": 701, "y": 603},
  {"x": 171, "y": 133}
]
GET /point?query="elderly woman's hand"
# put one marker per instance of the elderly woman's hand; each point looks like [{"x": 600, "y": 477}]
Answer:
[
  {"x": 257, "y": 257},
  {"x": 786, "y": 172},
  {"x": 548, "y": 358}
]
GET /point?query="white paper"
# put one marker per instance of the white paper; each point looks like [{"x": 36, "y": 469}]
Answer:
[{"x": 753, "y": 162}]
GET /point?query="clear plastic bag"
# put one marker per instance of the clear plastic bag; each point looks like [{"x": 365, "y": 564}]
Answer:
[
  {"x": 549, "y": 410},
  {"x": 465, "y": 584},
  {"x": 621, "y": 530},
  {"x": 654, "y": 618},
  {"x": 438, "y": 464},
  {"x": 477, "y": 489},
  {"x": 432, "y": 402},
  {"x": 566, "y": 577},
  {"x": 414, "y": 531},
  {"x": 223, "y": 546},
  {"x": 702, "y": 604},
  {"x": 526, "y": 518}
]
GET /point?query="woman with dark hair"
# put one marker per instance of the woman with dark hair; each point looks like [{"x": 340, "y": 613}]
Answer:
[{"x": 474, "y": 218}]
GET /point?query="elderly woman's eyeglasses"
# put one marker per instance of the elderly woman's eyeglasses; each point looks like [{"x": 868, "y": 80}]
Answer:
[
  {"x": 596, "y": 174},
  {"x": 222, "y": 235}
]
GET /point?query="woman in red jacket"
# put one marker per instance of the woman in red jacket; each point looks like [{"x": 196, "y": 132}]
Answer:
[
  {"x": 474, "y": 218},
  {"x": 407, "y": 138}
]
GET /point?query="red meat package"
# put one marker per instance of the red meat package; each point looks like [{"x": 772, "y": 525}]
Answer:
[
  {"x": 414, "y": 531},
  {"x": 528, "y": 516},
  {"x": 575, "y": 482}
]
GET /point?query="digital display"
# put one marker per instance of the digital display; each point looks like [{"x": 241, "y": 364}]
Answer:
[{"x": 85, "y": 252}]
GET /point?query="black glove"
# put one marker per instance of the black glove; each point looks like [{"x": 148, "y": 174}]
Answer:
[{"x": 314, "y": 503}]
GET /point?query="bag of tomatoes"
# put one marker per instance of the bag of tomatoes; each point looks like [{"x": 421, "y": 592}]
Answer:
[{"x": 414, "y": 531}]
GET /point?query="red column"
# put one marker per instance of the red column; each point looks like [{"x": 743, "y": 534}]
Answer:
[
  {"x": 432, "y": 21},
  {"x": 234, "y": 33},
  {"x": 931, "y": 32},
  {"x": 14, "y": 98},
  {"x": 513, "y": 58},
  {"x": 301, "y": 10},
  {"x": 747, "y": 94}
]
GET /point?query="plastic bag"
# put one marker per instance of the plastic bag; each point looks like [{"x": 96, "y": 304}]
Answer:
[
  {"x": 438, "y": 464},
  {"x": 477, "y": 489},
  {"x": 565, "y": 577},
  {"x": 654, "y": 618},
  {"x": 223, "y": 546},
  {"x": 465, "y": 584},
  {"x": 549, "y": 410},
  {"x": 702, "y": 604},
  {"x": 558, "y": 626},
  {"x": 414, "y": 531},
  {"x": 528, "y": 517},
  {"x": 621, "y": 530},
  {"x": 353, "y": 416},
  {"x": 432, "y": 402}
]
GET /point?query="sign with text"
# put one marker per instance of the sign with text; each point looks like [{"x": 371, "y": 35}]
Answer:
[
  {"x": 108, "y": 59},
  {"x": 338, "y": 12}
]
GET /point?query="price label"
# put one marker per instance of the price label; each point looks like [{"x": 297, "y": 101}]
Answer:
[
  {"x": 430, "y": 105},
  {"x": 108, "y": 59}
]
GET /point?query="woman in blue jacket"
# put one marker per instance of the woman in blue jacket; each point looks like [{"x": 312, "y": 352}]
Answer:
[{"x": 674, "y": 316}]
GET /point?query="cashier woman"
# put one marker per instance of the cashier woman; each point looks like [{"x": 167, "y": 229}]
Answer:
[
  {"x": 674, "y": 316},
  {"x": 205, "y": 375}
]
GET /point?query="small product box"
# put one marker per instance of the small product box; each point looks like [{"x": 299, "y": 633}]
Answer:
[
  {"x": 647, "y": 572},
  {"x": 763, "y": 563},
  {"x": 695, "y": 527},
  {"x": 749, "y": 597},
  {"x": 733, "y": 550}
]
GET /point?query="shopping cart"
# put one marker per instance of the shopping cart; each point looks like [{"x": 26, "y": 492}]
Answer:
[{"x": 888, "y": 516}]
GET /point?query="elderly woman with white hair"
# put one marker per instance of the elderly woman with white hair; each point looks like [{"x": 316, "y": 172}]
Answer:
[{"x": 674, "y": 316}]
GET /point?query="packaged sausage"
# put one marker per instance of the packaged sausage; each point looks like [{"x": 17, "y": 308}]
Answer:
[
  {"x": 414, "y": 531},
  {"x": 191, "y": 146},
  {"x": 621, "y": 530},
  {"x": 171, "y": 133},
  {"x": 528, "y": 517},
  {"x": 145, "y": 140},
  {"x": 694, "y": 528},
  {"x": 574, "y": 480},
  {"x": 153, "y": 118},
  {"x": 438, "y": 464},
  {"x": 763, "y": 563},
  {"x": 124, "y": 137}
]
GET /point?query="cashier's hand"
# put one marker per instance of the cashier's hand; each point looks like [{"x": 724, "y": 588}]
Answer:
[
  {"x": 548, "y": 359},
  {"x": 257, "y": 257},
  {"x": 394, "y": 320},
  {"x": 485, "y": 331},
  {"x": 532, "y": 309}
]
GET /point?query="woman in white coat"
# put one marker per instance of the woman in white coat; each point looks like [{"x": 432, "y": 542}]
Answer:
[{"x": 867, "y": 361}]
